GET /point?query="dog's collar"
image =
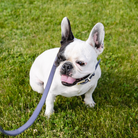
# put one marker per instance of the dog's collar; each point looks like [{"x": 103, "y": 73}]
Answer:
[{"x": 88, "y": 79}]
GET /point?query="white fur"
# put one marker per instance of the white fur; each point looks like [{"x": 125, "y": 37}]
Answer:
[{"x": 77, "y": 50}]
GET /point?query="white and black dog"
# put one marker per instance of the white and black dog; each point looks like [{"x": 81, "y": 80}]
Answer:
[{"x": 76, "y": 61}]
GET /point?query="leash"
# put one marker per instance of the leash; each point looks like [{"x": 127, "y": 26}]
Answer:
[{"x": 37, "y": 110}]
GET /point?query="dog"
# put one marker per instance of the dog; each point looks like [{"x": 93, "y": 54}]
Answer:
[{"x": 76, "y": 61}]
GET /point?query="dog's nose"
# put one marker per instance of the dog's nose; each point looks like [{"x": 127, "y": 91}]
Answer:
[{"x": 66, "y": 68}]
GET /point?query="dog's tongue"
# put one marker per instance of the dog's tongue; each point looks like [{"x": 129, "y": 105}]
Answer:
[{"x": 67, "y": 79}]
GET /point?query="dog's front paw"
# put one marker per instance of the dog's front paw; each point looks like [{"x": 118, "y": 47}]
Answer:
[
  {"x": 49, "y": 113},
  {"x": 89, "y": 102}
]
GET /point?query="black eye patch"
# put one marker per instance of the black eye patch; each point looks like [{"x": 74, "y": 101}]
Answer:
[{"x": 60, "y": 58}]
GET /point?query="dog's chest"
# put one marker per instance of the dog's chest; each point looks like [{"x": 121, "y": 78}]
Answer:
[{"x": 72, "y": 91}]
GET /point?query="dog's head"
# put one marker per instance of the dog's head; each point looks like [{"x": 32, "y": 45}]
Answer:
[{"x": 76, "y": 59}]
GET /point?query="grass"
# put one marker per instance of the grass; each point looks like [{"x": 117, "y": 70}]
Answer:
[{"x": 27, "y": 28}]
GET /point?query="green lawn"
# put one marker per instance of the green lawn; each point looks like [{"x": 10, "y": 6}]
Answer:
[{"x": 29, "y": 27}]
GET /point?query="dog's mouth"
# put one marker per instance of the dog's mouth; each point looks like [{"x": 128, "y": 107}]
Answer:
[{"x": 69, "y": 81}]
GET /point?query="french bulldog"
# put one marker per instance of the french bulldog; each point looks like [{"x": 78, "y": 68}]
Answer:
[{"x": 76, "y": 61}]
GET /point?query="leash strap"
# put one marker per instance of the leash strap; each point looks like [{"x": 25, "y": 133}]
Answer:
[
  {"x": 97, "y": 64},
  {"x": 37, "y": 110}
]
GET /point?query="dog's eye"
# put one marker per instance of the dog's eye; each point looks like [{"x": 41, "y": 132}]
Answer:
[
  {"x": 80, "y": 63},
  {"x": 61, "y": 58}
]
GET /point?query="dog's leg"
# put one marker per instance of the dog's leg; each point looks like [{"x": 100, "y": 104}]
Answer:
[
  {"x": 49, "y": 104},
  {"x": 88, "y": 97}
]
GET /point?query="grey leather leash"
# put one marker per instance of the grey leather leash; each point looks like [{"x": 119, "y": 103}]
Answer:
[{"x": 37, "y": 110}]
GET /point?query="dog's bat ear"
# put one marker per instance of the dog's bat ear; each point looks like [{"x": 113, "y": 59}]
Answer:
[
  {"x": 96, "y": 38},
  {"x": 67, "y": 35}
]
